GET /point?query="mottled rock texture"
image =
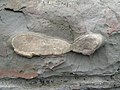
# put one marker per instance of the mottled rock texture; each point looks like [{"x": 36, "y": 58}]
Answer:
[{"x": 66, "y": 20}]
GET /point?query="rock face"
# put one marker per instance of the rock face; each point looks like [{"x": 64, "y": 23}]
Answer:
[
  {"x": 67, "y": 21},
  {"x": 29, "y": 44}
]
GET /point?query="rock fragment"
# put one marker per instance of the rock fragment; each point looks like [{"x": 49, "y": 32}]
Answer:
[{"x": 52, "y": 65}]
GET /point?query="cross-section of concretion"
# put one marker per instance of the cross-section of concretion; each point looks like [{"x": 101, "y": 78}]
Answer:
[
  {"x": 30, "y": 44},
  {"x": 87, "y": 44}
]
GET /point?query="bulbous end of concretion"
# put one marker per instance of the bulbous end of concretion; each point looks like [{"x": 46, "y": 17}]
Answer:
[{"x": 88, "y": 44}]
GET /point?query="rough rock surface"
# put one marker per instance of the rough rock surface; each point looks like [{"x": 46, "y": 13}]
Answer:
[{"x": 65, "y": 19}]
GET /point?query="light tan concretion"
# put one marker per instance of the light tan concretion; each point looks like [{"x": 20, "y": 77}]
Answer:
[
  {"x": 35, "y": 44},
  {"x": 88, "y": 44},
  {"x": 30, "y": 44}
]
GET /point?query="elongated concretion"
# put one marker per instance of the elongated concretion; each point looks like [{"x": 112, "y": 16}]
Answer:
[
  {"x": 87, "y": 44},
  {"x": 30, "y": 44}
]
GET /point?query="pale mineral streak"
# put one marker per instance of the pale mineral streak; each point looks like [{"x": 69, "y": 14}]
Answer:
[{"x": 30, "y": 44}]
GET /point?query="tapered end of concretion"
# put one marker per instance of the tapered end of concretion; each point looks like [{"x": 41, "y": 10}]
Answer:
[
  {"x": 87, "y": 44},
  {"x": 30, "y": 44}
]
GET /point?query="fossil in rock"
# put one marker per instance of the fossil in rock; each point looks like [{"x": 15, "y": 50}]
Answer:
[
  {"x": 30, "y": 44},
  {"x": 87, "y": 44}
]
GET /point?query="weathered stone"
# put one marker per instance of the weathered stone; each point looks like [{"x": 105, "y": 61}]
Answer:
[
  {"x": 66, "y": 19},
  {"x": 87, "y": 44},
  {"x": 29, "y": 44}
]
